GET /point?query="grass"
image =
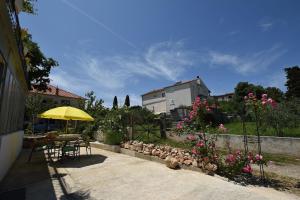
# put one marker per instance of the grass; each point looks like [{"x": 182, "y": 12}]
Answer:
[{"x": 237, "y": 129}]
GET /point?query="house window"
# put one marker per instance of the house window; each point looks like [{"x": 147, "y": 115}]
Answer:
[
  {"x": 163, "y": 94},
  {"x": 65, "y": 102},
  {"x": 12, "y": 100}
]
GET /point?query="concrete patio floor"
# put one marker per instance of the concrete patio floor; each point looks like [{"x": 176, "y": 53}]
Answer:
[{"x": 112, "y": 176}]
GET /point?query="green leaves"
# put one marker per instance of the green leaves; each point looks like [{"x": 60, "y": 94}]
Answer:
[{"x": 39, "y": 65}]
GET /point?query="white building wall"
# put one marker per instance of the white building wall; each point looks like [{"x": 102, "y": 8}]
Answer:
[
  {"x": 157, "y": 107},
  {"x": 155, "y": 102},
  {"x": 178, "y": 96},
  {"x": 198, "y": 88},
  {"x": 10, "y": 148},
  {"x": 181, "y": 94}
]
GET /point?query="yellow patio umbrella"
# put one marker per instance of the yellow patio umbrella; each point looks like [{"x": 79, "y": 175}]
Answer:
[{"x": 66, "y": 113}]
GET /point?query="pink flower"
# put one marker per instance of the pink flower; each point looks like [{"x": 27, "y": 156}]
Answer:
[
  {"x": 222, "y": 128},
  {"x": 192, "y": 114},
  {"x": 247, "y": 169},
  {"x": 251, "y": 95},
  {"x": 245, "y": 97},
  {"x": 208, "y": 109},
  {"x": 230, "y": 159},
  {"x": 271, "y": 102},
  {"x": 198, "y": 100},
  {"x": 194, "y": 151},
  {"x": 258, "y": 157},
  {"x": 191, "y": 137},
  {"x": 186, "y": 119},
  {"x": 200, "y": 144},
  {"x": 179, "y": 125},
  {"x": 264, "y": 96}
]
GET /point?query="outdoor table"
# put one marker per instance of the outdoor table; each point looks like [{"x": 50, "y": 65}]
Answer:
[
  {"x": 66, "y": 138},
  {"x": 35, "y": 141}
]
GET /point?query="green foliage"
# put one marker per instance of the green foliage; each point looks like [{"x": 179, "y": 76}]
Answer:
[
  {"x": 141, "y": 116},
  {"x": 293, "y": 82},
  {"x": 244, "y": 88},
  {"x": 28, "y": 6},
  {"x": 39, "y": 65},
  {"x": 227, "y": 106},
  {"x": 33, "y": 105},
  {"x": 127, "y": 101},
  {"x": 275, "y": 93},
  {"x": 280, "y": 118},
  {"x": 96, "y": 109},
  {"x": 112, "y": 138},
  {"x": 237, "y": 129},
  {"x": 115, "y": 103}
]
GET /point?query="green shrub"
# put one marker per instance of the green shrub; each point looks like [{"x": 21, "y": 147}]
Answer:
[{"x": 113, "y": 138}]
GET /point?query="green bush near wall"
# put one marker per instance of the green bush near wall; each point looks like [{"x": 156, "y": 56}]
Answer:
[{"x": 112, "y": 138}]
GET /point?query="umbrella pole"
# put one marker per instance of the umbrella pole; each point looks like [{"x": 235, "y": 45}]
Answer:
[{"x": 67, "y": 126}]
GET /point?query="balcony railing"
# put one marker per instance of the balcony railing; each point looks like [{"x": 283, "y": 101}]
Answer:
[{"x": 10, "y": 5}]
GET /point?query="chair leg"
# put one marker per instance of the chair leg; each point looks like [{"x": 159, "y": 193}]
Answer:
[{"x": 30, "y": 155}]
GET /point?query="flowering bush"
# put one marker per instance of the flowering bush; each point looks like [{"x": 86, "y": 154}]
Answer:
[
  {"x": 237, "y": 163},
  {"x": 204, "y": 149},
  {"x": 196, "y": 127}
]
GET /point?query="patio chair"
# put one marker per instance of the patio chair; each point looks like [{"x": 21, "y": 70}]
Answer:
[
  {"x": 53, "y": 147},
  {"x": 85, "y": 142},
  {"x": 72, "y": 149}
]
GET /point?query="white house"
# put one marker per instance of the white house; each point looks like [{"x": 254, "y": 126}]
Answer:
[{"x": 179, "y": 94}]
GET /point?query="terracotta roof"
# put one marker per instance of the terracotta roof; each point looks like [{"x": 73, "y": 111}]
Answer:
[{"x": 56, "y": 91}]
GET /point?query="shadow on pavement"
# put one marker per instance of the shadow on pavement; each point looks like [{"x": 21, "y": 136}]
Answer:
[
  {"x": 40, "y": 179},
  {"x": 83, "y": 161}
]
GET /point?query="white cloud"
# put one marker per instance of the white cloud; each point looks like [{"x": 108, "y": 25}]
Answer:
[
  {"x": 266, "y": 24},
  {"x": 251, "y": 63},
  {"x": 110, "y": 75}
]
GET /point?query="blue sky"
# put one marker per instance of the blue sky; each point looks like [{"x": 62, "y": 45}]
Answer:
[{"x": 117, "y": 47}]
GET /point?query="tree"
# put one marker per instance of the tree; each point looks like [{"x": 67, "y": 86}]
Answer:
[
  {"x": 275, "y": 93},
  {"x": 115, "y": 103},
  {"x": 35, "y": 105},
  {"x": 241, "y": 90},
  {"x": 96, "y": 109},
  {"x": 28, "y": 6},
  {"x": 293, "y": 81},
  {"x": 39, "y": 65},
  {"x": 127, "y": 102}
]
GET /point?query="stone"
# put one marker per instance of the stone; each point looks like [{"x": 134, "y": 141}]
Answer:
[
  {"x": 163, "y": 155},
  {"x": 171, "y": 162},
  {"x": 146, "y": 153},
  {"x": 153, "y": 152},
  {"x": 181, "y": 160},
  {"x": 195, "y": 163},
  {"x": 168, "y": 149},
  {"x": 131, "y": 147},
  {"x": 187, "y": 162},
  {"x": 211, "y": 167},
  {"x": 127, "y": 145}
]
